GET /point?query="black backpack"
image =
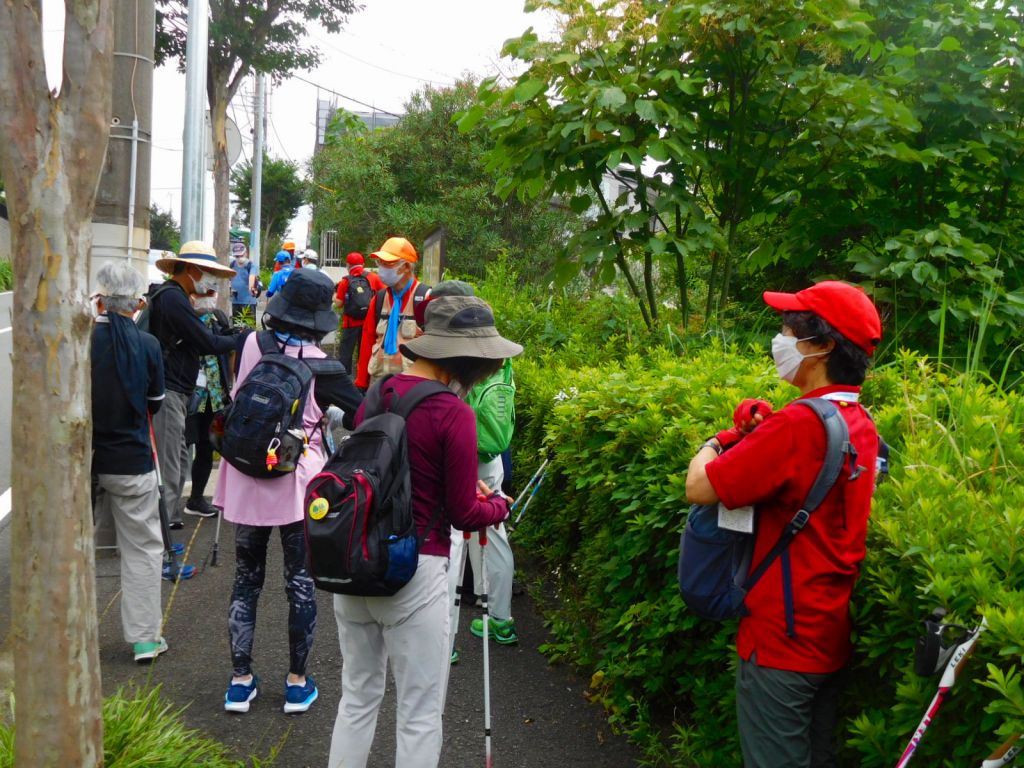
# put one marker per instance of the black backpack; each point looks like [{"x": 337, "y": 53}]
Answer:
[
  {"x": 143, "y": 318},
  {"x": 263, "y": 432},
  {"x": 714, "y": 563},
  {"x": 357, "y": 297},
  {"x": 360, "y": 534}
]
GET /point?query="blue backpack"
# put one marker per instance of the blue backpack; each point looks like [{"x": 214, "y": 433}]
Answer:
[{"x": 714, "y": 563}]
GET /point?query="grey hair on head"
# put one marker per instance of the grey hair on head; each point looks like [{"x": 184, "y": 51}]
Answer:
[{"x": 120, "y": 285}]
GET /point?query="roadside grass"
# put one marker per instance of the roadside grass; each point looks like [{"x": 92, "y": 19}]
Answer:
[{"x": 6, "y": 275}]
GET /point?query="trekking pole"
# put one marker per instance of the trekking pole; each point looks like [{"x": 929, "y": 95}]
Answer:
[
  {"x": 487, "y": 660},
  {"x": 216, "y": 538},
  {"x": 526, "y": 488},
  {"x": 529, "y": 499},
  {"x": 949, "y": 676},
  {"x": 1004, "y": 754}
]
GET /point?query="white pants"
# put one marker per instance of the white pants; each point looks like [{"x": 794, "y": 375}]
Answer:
[
  {"x": 410, "y": 629},
  {"x": 131, "y": 501}
]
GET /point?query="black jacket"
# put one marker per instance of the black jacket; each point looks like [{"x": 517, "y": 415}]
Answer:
[{"x": 183, "y": 338}]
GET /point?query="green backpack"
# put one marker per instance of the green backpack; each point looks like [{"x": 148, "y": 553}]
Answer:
[{"x": 493, "y": 401}]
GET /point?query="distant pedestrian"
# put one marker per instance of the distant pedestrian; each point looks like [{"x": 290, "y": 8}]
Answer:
[
  {"x": 795, "y": 640},
  {"x": 390, "y": 319},
  {"x": 284, "y": 271},
  {"x": 127, "y": 387},
  {"x": 184, "y": 339},
  {"x": 352, "y": 299},
  {"x": 410, "y": 630},
  {"x": 310, "y": 260},
  {"x": 299, "y": 317},
  {"x": 244, "y": 291}
]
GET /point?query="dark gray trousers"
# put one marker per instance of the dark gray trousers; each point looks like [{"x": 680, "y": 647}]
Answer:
[{"x": 786, "y": 719}]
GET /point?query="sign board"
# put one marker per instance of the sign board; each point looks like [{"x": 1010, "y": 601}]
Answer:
[{"x": 434, "y": 255}]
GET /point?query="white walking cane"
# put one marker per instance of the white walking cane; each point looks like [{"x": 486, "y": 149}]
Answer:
[{"x": 487, "y": 660}]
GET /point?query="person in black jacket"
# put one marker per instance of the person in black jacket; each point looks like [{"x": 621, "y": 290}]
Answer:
[
  {"x": 128, "y": 386},
  {"x": 184, "y": 339}
]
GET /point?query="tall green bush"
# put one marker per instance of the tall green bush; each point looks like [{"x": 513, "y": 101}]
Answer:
[{"x": 946, "y": 529}]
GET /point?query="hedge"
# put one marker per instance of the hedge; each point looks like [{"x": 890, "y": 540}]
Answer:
[{"x": 947, "y": 529}]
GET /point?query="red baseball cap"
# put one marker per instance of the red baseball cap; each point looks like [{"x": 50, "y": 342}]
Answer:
[
  {"x": 843, "y": 306},
  {"x": 354, "y": 258}
]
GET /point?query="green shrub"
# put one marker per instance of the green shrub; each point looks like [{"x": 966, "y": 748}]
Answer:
[
  {"x": 946, "y": 529},
  {"x": 142, "y": 729},
  {"x": 6, "y": 275}
]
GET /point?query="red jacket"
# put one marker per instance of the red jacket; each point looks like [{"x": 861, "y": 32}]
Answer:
[
  {"x": 355, "y": 271},
  {"x": 773, "y": 468}
]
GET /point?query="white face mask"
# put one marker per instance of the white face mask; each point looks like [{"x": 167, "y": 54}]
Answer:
[
  {"x": 388, "y": 275},
  {"x": 206, "y": 304},
  {"x": 787, "y": 357},
  {"x": 242, "y": 261},
  {"x": 205, "y": 284}
]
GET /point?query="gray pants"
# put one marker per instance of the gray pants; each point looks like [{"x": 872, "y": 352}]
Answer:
[
  {"x": 131, "y": 501},
  {"x": 169, "y": 425},
  {"x": 786, "y": 719}
]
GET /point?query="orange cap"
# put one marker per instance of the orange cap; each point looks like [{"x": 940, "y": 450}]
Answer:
[
  {"x": 396, "y": 249},
  {"x": 288, "y": 246}
]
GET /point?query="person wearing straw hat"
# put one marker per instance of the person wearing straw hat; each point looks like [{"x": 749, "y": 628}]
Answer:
[
  {"x": 184, "y": 339},
  {"x": 459, "y": 347},
  {"x": 384, "y": 329}
]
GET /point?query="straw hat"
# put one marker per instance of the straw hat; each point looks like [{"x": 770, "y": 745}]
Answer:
[
  {"x": 196, "y": 253},
  {"x": 460, "y": 326}
]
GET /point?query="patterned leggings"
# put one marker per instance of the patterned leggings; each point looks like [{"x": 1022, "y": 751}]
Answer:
[{"x": 250, "y": 572}]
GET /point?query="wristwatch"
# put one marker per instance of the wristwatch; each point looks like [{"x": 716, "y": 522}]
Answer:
[{"x": 713, "y": 445}]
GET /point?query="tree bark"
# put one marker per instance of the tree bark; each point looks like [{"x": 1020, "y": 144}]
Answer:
[
  {"x": 50, "y": 160},
  {"x": 221, "y": 185}
]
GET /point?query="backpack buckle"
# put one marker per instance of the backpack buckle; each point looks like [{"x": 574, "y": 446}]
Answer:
[{"x": 800, "y": 519}]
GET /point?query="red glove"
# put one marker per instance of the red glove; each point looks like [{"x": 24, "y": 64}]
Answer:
[{"x": 743, "y": 416}]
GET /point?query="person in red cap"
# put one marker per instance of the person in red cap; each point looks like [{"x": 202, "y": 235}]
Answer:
[
  {"x": 352, "y": 300},
  {"x": 794, "y": 643},
  {"x": 384, "y": 329}
]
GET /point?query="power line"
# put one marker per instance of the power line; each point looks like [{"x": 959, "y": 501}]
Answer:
[
  {"x": 378, "y": 66},
  {"x": 343, "y": 96}
]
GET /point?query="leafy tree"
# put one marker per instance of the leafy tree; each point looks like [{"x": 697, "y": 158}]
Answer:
[
  {"x": 51, "y": 159},
  {"x": 283, "y": 194},
  {"x": 423, "y": 172},
  {"x": 164, "y": 232},
  {"x": 245, "y": 36},
  {"x": 706, "y": 115}
]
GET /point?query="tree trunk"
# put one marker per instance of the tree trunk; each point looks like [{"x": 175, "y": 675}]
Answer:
[
  {"x": 51, "y": 159},
  {"x": 221, "y": 186}
]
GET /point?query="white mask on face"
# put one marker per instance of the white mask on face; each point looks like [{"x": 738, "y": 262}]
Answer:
[
  {"x": 388, "y": 275},
  {"x": 205, "y": 284},
  {"x": 206, "y": 303},
  {"x": 787, "y": 357},
  {"x": 242, "y": 261}
]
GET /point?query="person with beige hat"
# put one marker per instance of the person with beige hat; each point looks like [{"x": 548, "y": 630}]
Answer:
[
  {"x": 384, "y": 329},
  {"x": 184, "y": 339}
]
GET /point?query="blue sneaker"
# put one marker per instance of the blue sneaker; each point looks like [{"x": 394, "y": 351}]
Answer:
[
  {"x": 184, "y": 572},
  {"x": 298, "y": 698},
  {"x": 178, "y": 549},
  {"x": 240, "y": 694}
]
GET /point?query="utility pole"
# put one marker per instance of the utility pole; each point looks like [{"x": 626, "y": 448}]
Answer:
[
  {"x": 255, "y": 219},
  {"x": 193, "y": 166},
  {"x": 121, "y": 217}
]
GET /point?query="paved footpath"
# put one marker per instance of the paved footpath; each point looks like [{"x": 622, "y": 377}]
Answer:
[{"x": 540, "y": 717}]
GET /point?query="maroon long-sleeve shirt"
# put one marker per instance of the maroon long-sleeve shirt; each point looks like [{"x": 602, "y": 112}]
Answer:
[{"x": 441, "y": 434}]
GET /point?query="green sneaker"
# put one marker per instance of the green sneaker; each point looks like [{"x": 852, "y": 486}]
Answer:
[
  {"x": 148, "y": 651},
  {"x": 501, "y": 632},
  {"x": 455, "y": 657}
]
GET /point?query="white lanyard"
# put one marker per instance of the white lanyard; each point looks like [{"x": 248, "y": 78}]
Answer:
[{"x": 841, "y": 397}]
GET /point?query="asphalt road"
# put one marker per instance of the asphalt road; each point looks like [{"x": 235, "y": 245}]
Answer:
[{"x": 540, "y": 716}]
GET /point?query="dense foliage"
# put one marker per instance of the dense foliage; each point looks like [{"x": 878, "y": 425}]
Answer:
[
  {"x": 620, "y": 413},
  {"x": 423, "y": 173},
  {"x": 808, "y": 139},
  {"x": 164, "y": 232}
]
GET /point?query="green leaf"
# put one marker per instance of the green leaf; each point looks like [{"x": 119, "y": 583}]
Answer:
[
  {"x": 647, "y": 110},
  {"x": 612, "y": 97},
  {"x": 527, "y": 89}
]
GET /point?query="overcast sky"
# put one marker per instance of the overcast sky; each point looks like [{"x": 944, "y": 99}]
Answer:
[{"x": 385, "y": 53}]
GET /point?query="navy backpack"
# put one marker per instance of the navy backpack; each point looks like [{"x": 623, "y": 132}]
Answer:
[{"x": 714, "y": 563}]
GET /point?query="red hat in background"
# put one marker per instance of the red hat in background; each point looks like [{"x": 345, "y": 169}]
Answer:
[
  {"x": 843, "y": 306},
  {"x": 353, "y": 259}
]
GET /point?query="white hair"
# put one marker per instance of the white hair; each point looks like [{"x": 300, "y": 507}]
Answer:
[{"x": 120, "y": 286}]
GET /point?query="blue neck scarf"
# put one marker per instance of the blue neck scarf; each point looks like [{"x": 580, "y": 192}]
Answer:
[{"x": 394, "y": 319}]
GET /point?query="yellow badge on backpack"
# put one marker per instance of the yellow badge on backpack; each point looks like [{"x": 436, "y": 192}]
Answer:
[{"x": 319, "y": 508}]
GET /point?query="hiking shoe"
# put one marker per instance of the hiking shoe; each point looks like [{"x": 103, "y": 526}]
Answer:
[
  {"x": 240, "y": 694},
  {"x": 178, "y": 549},
  {"x": 200, "y": 507},
  {"x": 501, "y": 632},
  {"x": 298, "y": 698},
  {"x": 148, "y": 651},
  {"x": 455, "y": 657},
  {"x": 175, "y": 525},
  {"x": 184, "y": 572}
]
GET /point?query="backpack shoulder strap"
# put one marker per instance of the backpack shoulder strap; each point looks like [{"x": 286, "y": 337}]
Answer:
[
  {"x": 837, "y": 447},
  {"x": 267, "y": 343},
  {"x": 325, "y": 366},
  {"x": 407, "y": 402},
  {"x": 379, "y": 306}
]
